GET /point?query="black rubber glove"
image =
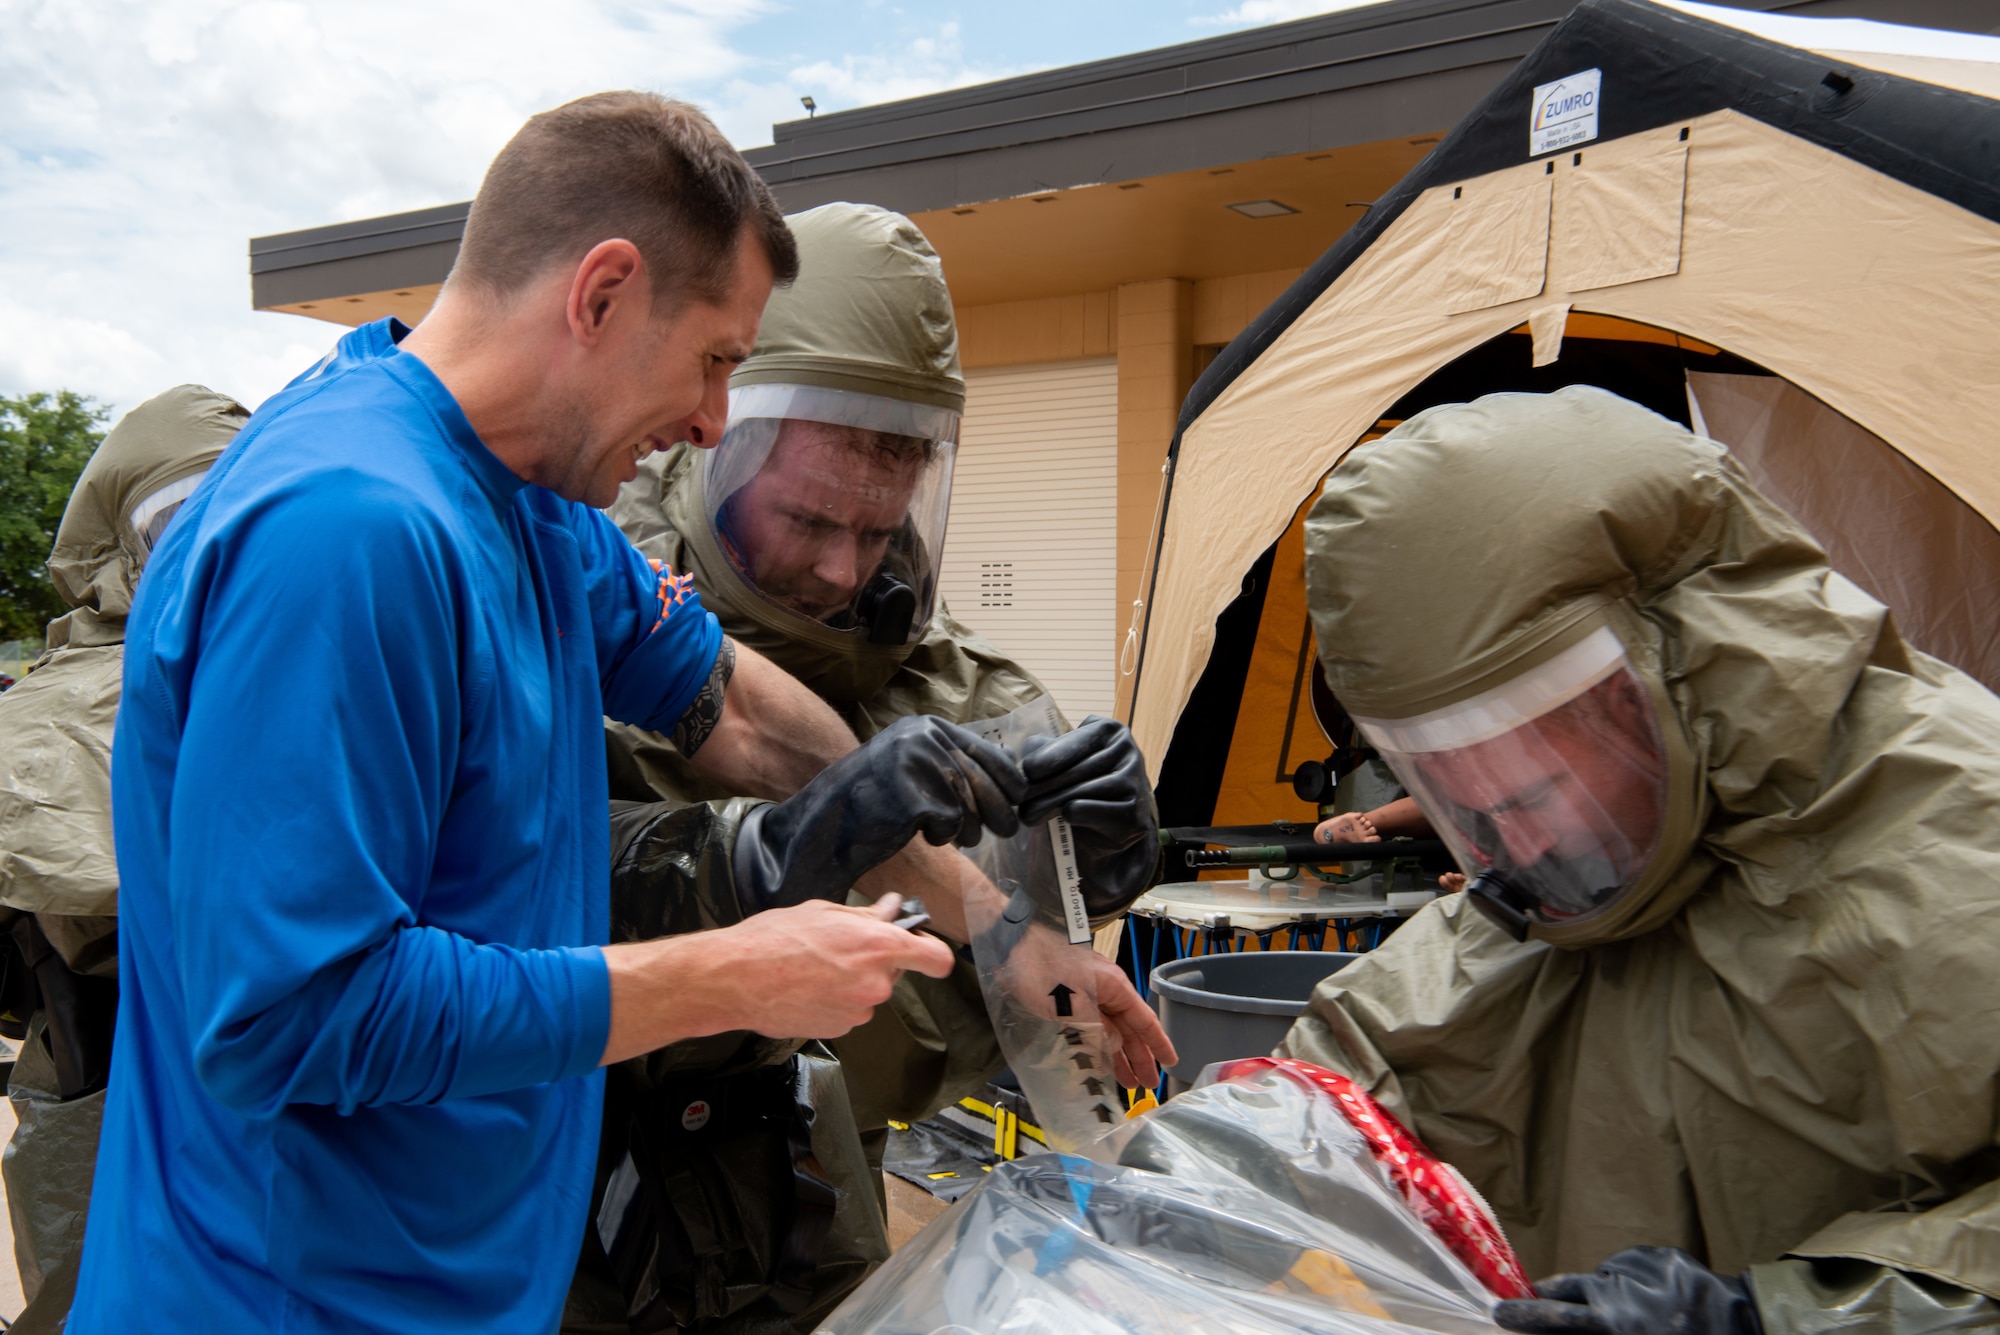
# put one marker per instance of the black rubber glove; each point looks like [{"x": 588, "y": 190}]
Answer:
[
  {"x": 1640, "y": 1291},
  {"x": 1096, "y": 778},
  {"x": 919, "y": 775}
]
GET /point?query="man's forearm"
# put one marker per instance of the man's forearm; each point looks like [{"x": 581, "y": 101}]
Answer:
[
  {"x": 774, "y": 735},
  {"x": 953, "y": 890},
  {"x": 814, "y": 970}
]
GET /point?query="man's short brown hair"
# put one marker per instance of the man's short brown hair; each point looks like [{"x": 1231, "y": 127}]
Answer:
[{"x": 646, "y": 168}]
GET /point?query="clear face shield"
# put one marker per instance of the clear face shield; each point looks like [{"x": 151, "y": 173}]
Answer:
[
  {"x": 832, "y": 504},
  {"x": 150, "y": 517},
  {"x": 1550, "y": 788}
]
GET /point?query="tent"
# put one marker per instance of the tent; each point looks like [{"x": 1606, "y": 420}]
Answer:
[{"x": 1784, "y": 232}]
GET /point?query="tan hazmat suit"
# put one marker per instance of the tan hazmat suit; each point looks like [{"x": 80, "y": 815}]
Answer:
[
  {"x": 56, "y": 858},
  {"x": 870, "y": 313},
  {"x": 1781, "y": 1049}
]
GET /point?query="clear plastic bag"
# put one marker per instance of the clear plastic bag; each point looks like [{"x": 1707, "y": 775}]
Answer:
[
  {"x": 1253, "y": 1203},
  {"x": 1031, "y": 944}
]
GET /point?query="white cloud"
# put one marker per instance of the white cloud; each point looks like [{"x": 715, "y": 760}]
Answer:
[
  {"x": 923, "y": 65},
  {"x": 143, "y": 142},
  {"x": 1254, "y": 13}
]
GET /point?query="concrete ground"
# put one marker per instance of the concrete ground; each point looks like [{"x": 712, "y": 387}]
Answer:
[{"x": 910, "y": 1208}]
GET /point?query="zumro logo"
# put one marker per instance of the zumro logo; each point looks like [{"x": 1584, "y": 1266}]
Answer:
[
  {"x": 1565, "y": 103},
  {"x": 1565, "y": 112}
]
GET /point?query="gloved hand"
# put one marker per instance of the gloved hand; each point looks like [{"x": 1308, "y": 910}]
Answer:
[
  {"x": 919, "y": 775},
  {"x": 1096, "y": 778},
  {"x": 1640, "y": 1291}
]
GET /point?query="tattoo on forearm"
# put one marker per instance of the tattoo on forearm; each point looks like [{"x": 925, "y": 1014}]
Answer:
[{"x": 706, "y": 711}]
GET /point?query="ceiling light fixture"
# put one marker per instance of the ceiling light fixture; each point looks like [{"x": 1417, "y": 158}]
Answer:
[{"x": 1262, "y": 208}]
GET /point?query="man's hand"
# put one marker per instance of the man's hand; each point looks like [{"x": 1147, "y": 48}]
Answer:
[
  {"x": 1143, "y": 1045},
  {"x": 920, "y": 775},
  {"x": 1637, "y": 1292},
  {"x": 1096, "y": 778},
  {"x": 1041, "y": 959},
  {"x": 813, "y": 971}
]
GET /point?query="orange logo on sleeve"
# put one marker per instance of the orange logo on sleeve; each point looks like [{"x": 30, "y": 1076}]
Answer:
[{"x": 672, "y": 591}]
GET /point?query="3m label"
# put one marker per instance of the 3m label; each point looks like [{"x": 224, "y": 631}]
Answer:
[
  {"x": 1565, "y": 113},
  {"x": 695, "y": 1116}
]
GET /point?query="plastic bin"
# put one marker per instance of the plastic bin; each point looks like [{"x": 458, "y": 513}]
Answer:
[{"x": 1220, "y": 1007}]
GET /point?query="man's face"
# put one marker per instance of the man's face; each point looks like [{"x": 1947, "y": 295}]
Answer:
[
  {"x": 815, "y": 522},
  {"x": 1581, "y": 786},
  {"x": 665, "y": 379}
]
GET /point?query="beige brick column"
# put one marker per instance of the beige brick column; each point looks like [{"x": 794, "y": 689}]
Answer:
[{"x": 1155, "y": 372}]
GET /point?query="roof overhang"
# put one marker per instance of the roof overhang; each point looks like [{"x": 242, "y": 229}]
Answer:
[{"x": 1321, "y": 114}]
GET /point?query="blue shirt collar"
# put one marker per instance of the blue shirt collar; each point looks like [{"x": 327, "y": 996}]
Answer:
[{"x": 499, "y": 481}]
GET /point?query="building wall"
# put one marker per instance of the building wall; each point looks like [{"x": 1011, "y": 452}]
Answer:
[
  {"x": 1154, "y": 329},
  {"x": 1029, "y": 553}
]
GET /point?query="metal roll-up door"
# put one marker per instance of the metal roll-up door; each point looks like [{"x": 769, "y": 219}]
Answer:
[{"x": 1031, "y": 554}]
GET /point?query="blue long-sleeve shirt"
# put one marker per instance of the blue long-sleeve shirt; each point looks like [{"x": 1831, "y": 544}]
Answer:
[{"x": 359, "y": 801}]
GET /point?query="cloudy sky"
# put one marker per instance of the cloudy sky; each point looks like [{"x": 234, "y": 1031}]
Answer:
[{"x": 143, "y": 142}]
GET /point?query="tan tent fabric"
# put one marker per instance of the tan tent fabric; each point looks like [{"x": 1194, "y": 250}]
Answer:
[
  {"x": 1958, "y": 60},
  {"x": 1880, "y": 307},
  {"x": 1886, "y": 524}
]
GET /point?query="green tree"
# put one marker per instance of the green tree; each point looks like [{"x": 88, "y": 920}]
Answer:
[{"x": 45, "y": 440}]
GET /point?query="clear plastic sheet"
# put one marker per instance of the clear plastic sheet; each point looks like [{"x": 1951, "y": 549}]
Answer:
[
  {"x": 1247, "y": 1205},
  {"x": 1030, "y": 941}
]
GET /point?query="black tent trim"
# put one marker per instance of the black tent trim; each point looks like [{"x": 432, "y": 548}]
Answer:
[{"x": 1659, "y": 66}]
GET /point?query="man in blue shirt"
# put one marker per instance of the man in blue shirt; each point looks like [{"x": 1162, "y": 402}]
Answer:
[{"x": 360, "y": 792}]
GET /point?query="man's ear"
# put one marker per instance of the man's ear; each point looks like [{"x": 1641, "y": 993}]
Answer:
[{"x": 610, "y": 278}]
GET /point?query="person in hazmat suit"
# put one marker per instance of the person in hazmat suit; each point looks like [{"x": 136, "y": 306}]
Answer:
[
  {"x": 58, "y": 875},
  {"x": 739, "y": 1182},
  {"x": 1715, "y": 1015}
]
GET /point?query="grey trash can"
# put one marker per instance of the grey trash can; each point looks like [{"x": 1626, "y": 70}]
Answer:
[{"x": 1220, "y": 1007}]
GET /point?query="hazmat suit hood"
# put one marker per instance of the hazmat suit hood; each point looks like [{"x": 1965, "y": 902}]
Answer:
[
  {"x": 147, "y": 466},
  {"x": 1769, "y": 1048},
  {"x": 870, "y": 321},
  {"x": 870, "y": 312},
  {"x": 1529, "y": 527},
  {"x": 825, "y": 501},
  {"x": 56, "y": 725}
]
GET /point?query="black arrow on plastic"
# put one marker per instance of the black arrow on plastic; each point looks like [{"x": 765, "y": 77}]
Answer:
[
  {"x": 1082, "y": 1060},
  {"x": 1103, "y": 1114},
  {"x": 1073, "y": 1037},
  {"x": 1062, "y": 992},
  {"x": 1094, "y": 1085}
]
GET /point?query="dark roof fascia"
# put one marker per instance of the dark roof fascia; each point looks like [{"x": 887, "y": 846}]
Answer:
[
  {"x": 349, "y": 240},
  {"x": 1277, "y": 63}
]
